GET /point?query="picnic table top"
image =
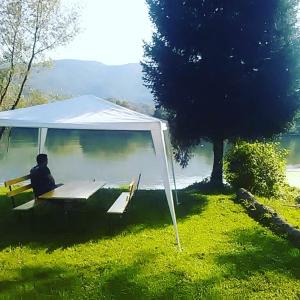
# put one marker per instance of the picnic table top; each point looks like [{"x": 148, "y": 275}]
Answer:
[{"x": 74, "y": 190}]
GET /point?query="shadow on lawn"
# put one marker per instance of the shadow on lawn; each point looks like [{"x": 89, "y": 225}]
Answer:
[
  {"x": 49, "y": 227},
  {"x": 38, "y": 282},
  {"x": 128, "y": 282},
  {"x": 259, "y": 253},
  {"x": 110, "y": 281}
]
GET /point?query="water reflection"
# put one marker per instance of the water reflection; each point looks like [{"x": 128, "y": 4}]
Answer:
[
  {"x": 113, "y": 144},
  {"x": 62, "y": 141},
  {"x": 292, "y": 144},
  {"x": 21, "y": 153},
  {"x": 27, "y": 135},
  {"x": 113, "y": 156}
]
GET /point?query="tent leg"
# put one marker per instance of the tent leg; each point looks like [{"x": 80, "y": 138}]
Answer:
[
  {"x": 161, "y": 154},
  {"x": 42, "y": 135},
  {"x": 170, "y": 155}
]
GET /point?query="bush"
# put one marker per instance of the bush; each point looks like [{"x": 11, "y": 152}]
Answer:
[{"x": 257, "y": 167}]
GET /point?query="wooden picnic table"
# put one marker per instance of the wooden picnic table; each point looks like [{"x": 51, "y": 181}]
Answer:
[{"x": 76, "y": 190}]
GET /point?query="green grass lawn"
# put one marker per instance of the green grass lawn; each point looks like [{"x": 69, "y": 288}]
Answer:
[
  {"x": 285, "y": 209},
  {"x": 94, "y": 256}
]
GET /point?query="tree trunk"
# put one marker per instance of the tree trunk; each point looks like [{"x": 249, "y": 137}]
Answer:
[{"x": 217, "y": 171}]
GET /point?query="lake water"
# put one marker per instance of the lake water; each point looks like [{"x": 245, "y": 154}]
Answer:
[{"x": 114, "y": 157}]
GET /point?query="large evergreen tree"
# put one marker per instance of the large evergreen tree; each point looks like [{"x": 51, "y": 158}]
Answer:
[{"x": 223, "y": 70}]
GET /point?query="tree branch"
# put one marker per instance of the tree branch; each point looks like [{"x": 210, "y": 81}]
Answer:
[
  {"x": 11, "y": 70},
  {"x": 33, "y": 54}
]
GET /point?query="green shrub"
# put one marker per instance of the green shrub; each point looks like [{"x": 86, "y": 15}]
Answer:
[{"x": 257, "y": 167}]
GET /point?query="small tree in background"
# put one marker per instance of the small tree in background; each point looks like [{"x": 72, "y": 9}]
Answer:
[
  {"x": 223, "y": 70},
  {"x": 28, "y": 31}
]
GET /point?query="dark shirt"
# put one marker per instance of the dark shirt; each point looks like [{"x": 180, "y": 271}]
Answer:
[{"x": 41, "y": 180}]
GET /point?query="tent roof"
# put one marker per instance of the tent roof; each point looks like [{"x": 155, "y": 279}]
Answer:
[{"x": 84, "y": 112}]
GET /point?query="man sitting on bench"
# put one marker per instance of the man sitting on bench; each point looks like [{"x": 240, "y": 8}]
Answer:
[{"x": 41, "y": 179}]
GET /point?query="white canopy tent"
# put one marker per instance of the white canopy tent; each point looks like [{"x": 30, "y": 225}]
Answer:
[{"x": 93, "y": 113}]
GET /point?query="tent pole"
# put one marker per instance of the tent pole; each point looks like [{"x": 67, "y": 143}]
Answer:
[
  {"x": 170, "y": 154},
  {"x": 5, "y": 138},
  {"x": 42, "y": 135},
  {"x": 161, "y": 154}
]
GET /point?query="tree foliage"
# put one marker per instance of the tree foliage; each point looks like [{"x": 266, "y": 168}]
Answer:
[
  {"x": 28, "y": 30},
  {"x": 257, "y": 167},
  {"x": 223, "y": 69}
]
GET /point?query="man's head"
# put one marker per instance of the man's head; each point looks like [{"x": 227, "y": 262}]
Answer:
[{"x": 42, "y": 159}]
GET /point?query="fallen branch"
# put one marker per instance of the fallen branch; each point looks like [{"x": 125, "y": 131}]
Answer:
[{"x": 268, "y": 217}]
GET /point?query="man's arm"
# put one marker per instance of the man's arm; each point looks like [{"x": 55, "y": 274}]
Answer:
[
  {"x": 51, "y": 180},
  {"x": 50, "y": 177}
]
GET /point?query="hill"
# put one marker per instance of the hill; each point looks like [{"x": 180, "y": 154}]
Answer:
[{"x": 77, "y": 77}]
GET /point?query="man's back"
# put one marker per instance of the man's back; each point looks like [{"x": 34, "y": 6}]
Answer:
[{"x": 41, "y": 180}]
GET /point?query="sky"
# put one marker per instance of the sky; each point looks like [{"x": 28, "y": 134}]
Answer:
[{"x": 112, "y": 32}]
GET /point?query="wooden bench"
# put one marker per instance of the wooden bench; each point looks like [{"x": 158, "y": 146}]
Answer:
[
  {"x": 15, "y": 191},
  {"x": 121, "y": 203}
]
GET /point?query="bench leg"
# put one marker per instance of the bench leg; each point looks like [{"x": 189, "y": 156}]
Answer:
[
  {"x": 66, "y": 214},
  {"x": 61, "y": 215},
  {"x": 26, "y": 216},
  {"x": 115, "y": 223},
  {"x": 32, "y": 219},
  {"x": 13, "y": 202}
]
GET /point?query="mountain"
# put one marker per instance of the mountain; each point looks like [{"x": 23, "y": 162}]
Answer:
[{"x": 76, "y": 77}]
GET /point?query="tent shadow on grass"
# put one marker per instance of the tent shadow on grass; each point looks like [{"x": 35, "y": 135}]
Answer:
[{"x": 49, "y": 227}]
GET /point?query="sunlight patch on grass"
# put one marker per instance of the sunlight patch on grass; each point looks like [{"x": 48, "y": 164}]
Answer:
[{"x": 285, "y": 209}]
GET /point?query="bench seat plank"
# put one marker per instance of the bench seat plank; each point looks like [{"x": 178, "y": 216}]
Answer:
[
  {"x": 19, "y": 190},
  {"x": 27, "y": 205},
  {"x": 120, "y": 204}
]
